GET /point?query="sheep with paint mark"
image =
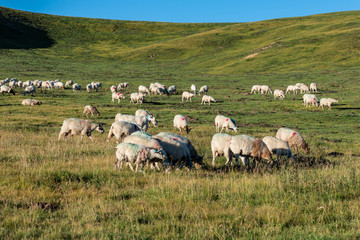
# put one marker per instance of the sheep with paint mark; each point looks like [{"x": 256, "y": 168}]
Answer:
[
  {"x": 207, "y": 99},
  {"x": 122, "y": 129},
  {"x": 255, "y": 89},
  {"x": 76, "y": 87},
  {"x": 148, "y": 115},
  {"x": 278, "y": 147},
  {"x": 293, "y": 138},
  {"x": 327, "y": 102},
  {"x": 137, "y": 97},
  {"x": 204, "y": 89},
  {"x": 31, "y": 102},
  {"x": 278, "y": 93},
  {"x": 186, "y": 96},
  {"x": 225, "y": 122},
  {"x": 313, "y": 87},
  {"x": 180, "y": 122},
  {"x": 142, "y": 121},
  {"x": 117, "y": 95},
  {"x": 220, "y": 143},
  {"x": 88, "y": 109},
  {"x": 310, "y": 99},
  {"x": 75, "y": 126},
  {"x": 113, "y": 88},
  {"x": 30, "y": 90},
  {"x": 171, "y": 89},
  {"x": 6, "y": 89}
]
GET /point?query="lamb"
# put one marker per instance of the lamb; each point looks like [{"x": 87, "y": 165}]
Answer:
[
  {"x": 327, "y": 102},
  {"x": 293, "y": 138},
  {"x": 204, "y": 89},
  {"x": 208, "y": 99},
  {"x": 143, "y": 89},
  {"x": 6, "y": 89},
  {"x": 225, "y": 122},
  {"x": 255, "y": 89},
  {"x": 90, "y": 109},
  {"x": 75, "y": 126},
  {"x": 141, "y": 121},
  {"x": 279, "y": 93},
  {"x": 181, "y": 123},
  {"x": 220, "y": 146},
  {"x": 304, "y": 88},
  {"x": 278, "y": 147},
  {"x": 186, "y": 95},
  {"x": 138, "y": 155},
  {"x": 172, "y": 89},
  {"x": 313, "y": 87},
  {"x": 193, "y": 88},
  {"x": 118, "y": 96},
  {"x": 310, "y": 99},
  {"x": 31, "y": 102},
  {"x": 292, "y": 88},
  {"x": 29, "y": 90},
  {"x": 76, "y": 87},
  {"x": 121, "y": 129},
  {"x": 245, "y": 146},
  {"x": 265, "y": 89},
  {"x": 138, "y": 97},
  {"x": 113, "y": 88},
  {"x": 69, "y": 83}
]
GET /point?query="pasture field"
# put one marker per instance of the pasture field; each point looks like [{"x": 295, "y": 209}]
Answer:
[{"x": 54, "y": 189}]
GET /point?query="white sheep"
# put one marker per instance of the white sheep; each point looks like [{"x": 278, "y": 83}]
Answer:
[
  {"x": 142, "y": 121},
  {"x": 6, "y": 89},
  {"x": 279, "y": 93},
  {"x": 310, "y": 99},
  {"x": 75, "y": 126},
  {"x": 265, "y": 89},
  {"x": 180, "y": 122},
  {"x": 69, "y": 83},
  {"x": 118, "y": 96},
  {"x": 299, "y": 84},
  {"x": 137, "y": 97},
  {"x": 20, "y": 84},
  {"x": 225, "y": 122},
  {"x": 186, "y": 95},
  {"x": 76, "y": 87},
  {"x": 193, "y": 88},
  {"x": 220, "y": 143},
  {"x": 143, "y": 89},
  {"x": 313, "y": 87},
  {"x": 277, "y": 146},
  {"x": 113, "y": 88},
  {"x": 293, "y": 138},
  {"x": 29, "y": 90},
  {"x": 172, "y": 89},
  {"x": 90, "y": 109},
  {"x": 255, "y": 89},
  {"x": 304, "y": 88},
  {"x": 204, "y": 89},
  {"x": 31, "y": 102},
  {"x": 150, "y": 117},
  {"x": 121, "y": 129},
  {"x": 207, "y": 99},
  {"x": 327, "y": 102},
  {"x": 89, "y": 87},
  {"x": 292, "y": 88},
  {"x": 58, "y": 85},
  {"x": 144, "y": 140}
]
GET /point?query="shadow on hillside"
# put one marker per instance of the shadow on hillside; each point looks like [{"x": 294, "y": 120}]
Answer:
[{"x": 19, "y": 34}]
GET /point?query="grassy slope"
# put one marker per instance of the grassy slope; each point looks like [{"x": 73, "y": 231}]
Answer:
[{"x": 46, "y": 185}]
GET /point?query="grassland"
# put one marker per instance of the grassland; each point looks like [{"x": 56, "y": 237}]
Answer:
[{"x": 69, "y": 190}]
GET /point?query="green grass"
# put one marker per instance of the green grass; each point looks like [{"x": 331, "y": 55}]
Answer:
[{"x": 56, "y": 190}]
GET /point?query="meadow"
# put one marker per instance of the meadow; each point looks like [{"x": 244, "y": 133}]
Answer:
[{"x": 53, "y": 189}]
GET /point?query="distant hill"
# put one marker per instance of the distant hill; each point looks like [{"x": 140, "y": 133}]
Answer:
[{"x": 312, "y": 43}]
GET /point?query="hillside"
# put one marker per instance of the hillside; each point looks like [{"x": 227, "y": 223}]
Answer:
[{"x": 313, "y": 43}]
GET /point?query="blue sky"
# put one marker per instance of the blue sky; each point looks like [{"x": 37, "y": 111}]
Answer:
[{"x": 184, "y": 10}]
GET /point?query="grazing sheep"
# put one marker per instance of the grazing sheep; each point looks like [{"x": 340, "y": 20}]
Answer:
[
  {"x": 75, "y": 126},
  {"x": 193, "y": 88},
  {"x": 204, "y": 89},
  {"x": 279, "y": 93},
  {"x": 292, "y": 88},
  {"x": 255, "y": 89},
  {"x": 138, "y": 155},
  {"x": 186, "y": 95},
  {"x": 123, "y": 85},
  {"x": 58, "y": 85},
  {"x": 208, "y": 99},
  {"x": 181, "y": 123},
  {"x": 327, "y": 102},
  {"x": 27, "y": 83},
  {"x": 118, "y": 96},
  {"x": 299, "y": 84},
  {"x": 113, "y": 89},
  {"x": 293, "y": 138},
  {"x": 76, "y": 87},
  {"x": 310, "y": 99},
  {"x": 245, "y": 146},
  {"x": 89, "y": 87},
  {"x": 143, "y": 140},
  {"x": 172, "y": 89},
  {"x": 265, "y": 89},
  {"x": 225, "y": 122},
  {"x": 6, "y": 89},
  {"x": 90, "y": 109},
  {"x": 138, "y": 97},
  {"x": 20, "y": 84},
  {"x": 277, "y": 146},
  {"x": 148, "y": 115},
  {"x": 29, "y": 90},
  {"x": 304, "y": 88},
  {"x": 143, "y": 89},
  {"x": 142, "y": 121},
  {"x": 141, "y": 134},
  {"x": 121, "y": 129},
  {"x": 31, "y": 102},
  {"x": 220, "y": 146},
  {"x": 313, "y": 87},
  {"x": 69, "y": 83}
]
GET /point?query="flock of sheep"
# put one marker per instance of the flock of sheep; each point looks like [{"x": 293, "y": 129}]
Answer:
[{"x": 137, "y": 147}]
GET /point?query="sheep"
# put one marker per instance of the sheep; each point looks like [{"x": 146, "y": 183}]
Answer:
[
  {"x": 313, "y": 87},
  {"x": 118, "y": 96},
  {"x": 148, "y": 115},
  {"x": 158, "y": 90},
  {"x": 255, "y": 89},
  {"x": 59, "y": 85},
  {"x": 31, "y": 102},
  {"x": 143, "y": 89},
  {"x": 279, "y": 93},
  {"x": 141, "y": 134},
  {"x": 277, "y": 146},
  {"x": 69, "y": 83},
  {"x": 208, "y": 99},
  {"x": 299, "y": 84},
  {"x": 181, "y": 123},
  {"x": 27, "y": 83},
  {"x": 265, "y": 89},
  {"x": 20, "y": 84},
  {"x": 121, "y": 129},
  {"x": 293, "y": 138},
  {"x": 113, "y": 88},
  {"x": 171, "y": 89},
  {"x": 204, "y": 89},
  {"x": 90, "y": 109},
  {"x": 98, "y": 85},
  {"x": 186, "y": 95},
  {"x": 95, "y": 86},
  {"x": 193, "y": 88},
  {"x": 76, "y": 87},
  {"x": 327, "y": 102},
  {"x": 29, "y": 90},
  {"x": 304, "y": 88},
  {"x": 225, "y": 122},
  {"x": 143, "y": 140},
  {"x": 142, "y": 121},
  {"x": 292, "y": 88},
  {"x": 46, "y": 85},
  {"x": 89, "y": 87},
  {"x": 138, "y": 155},
  {"x": 245, "y": 146},
  {"x": 220, "y": 146},
  {"x": 6, "y": 89},
  {"x": 138, "y": 97},
  {"x": 12, "y": 83},
  {"x": 123, "y": 85},
  {"x": 75, "y": 126},
  {"x": 310, "y": 99}
]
